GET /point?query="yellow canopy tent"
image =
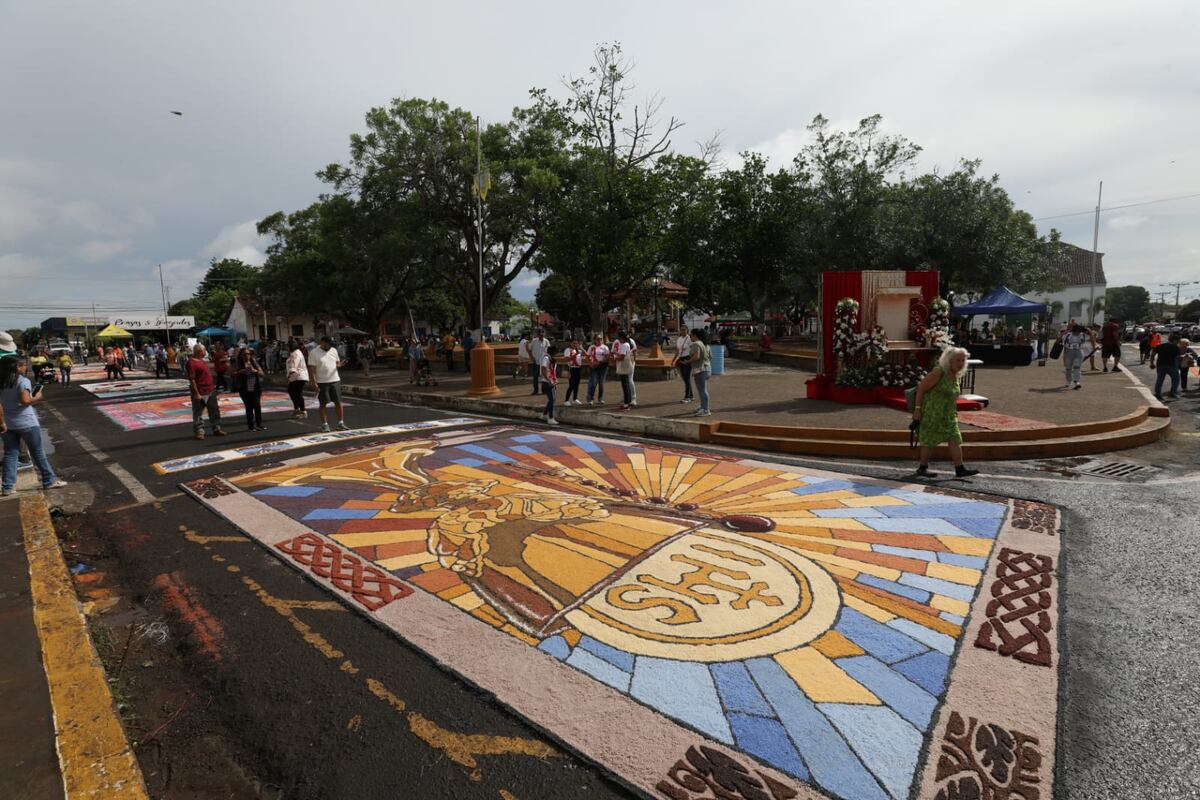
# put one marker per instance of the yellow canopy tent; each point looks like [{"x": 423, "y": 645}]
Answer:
[{"x": 114, "y": 332}]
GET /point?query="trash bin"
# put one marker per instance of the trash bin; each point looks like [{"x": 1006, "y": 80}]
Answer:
[{"x": 718, "y": 359}]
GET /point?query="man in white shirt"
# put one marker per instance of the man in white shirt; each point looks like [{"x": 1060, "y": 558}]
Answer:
[
  {"x": 683, "y": 362},
  {"x": 537, "y": 350},
  {"x": 323, "y": 363}
]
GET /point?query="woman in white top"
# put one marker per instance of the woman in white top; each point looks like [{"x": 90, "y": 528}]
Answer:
[
  {"x": 523, "y": 358},
  {"x": 573, "y": 356},
  {"x": 622, "y": 353},
  {"x": 297, "y": 376},
  {"x": 597, "y": 369},
  {"x": 548, "y": 375}
]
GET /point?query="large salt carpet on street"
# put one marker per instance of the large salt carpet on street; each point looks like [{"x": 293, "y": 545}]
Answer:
[{"x": 698, "y": 625}]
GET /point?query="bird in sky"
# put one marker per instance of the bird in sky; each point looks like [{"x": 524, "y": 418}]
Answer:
[{"x": 177, "y": 113}]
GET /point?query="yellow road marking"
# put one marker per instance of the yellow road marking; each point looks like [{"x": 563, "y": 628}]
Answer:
[
  {"x": 458, "y": 747},
  {"x": 196, "y": 538},
  {"x": 96, "y": 759}
]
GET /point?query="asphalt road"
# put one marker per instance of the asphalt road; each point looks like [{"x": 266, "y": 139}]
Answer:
[{"x": 308, "y": 700}]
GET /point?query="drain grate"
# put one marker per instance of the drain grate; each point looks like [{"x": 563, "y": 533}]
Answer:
[{"x": 1120, "y": 470}]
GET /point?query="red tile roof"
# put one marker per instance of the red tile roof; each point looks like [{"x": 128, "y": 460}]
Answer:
[{"x": 1075, "y": 266}]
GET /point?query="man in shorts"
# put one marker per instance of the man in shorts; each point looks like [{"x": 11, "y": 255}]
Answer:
[
  {"x": 1110, "y": 344},
  {"x": 323, "y": 364}
]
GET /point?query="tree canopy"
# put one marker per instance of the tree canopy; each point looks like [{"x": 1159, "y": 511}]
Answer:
[
  {"x": 588, "y": 188},
  {"x": 213, "y": 299},
  {"x": 1131, "y": 303}
]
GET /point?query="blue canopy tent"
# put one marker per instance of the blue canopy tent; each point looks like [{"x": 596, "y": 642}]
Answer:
[
  {"x": 999, "y": 302},
  {"x": 216, "y": 332}
]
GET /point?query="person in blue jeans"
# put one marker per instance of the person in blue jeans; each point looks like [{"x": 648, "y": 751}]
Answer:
[
  {"x": 1165, "y": 360},
  {"x": 19, "y": 423},
  {"x": 701, "y": 363}
]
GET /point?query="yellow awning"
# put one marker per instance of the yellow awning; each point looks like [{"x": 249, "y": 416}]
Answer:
[{"x": 114, "y": 332}]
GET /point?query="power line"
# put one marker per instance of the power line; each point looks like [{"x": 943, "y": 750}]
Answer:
[
  {"x": 44, "y": 276},
  {"x": 1114, "y": 208}
]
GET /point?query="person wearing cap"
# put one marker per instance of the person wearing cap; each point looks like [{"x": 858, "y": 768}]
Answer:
[
  {"x": 7, "y": 346},
  {"x": 19, "y": 425}
]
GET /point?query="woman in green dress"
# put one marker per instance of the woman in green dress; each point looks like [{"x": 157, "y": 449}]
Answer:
[{"x": 936, "y": 409}]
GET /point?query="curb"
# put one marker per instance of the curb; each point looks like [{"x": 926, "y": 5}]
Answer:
[
  {"x": 986, "y": 445},
  {"x": 583, "y": 416},
  {"x": 94, "y": 756},
  {"x": 1157, "y": 407}
]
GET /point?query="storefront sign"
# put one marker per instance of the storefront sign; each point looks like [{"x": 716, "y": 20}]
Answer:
[{"x": 157, "y": 323}]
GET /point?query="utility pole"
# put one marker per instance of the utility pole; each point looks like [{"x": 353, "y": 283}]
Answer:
[
  {"x": 163, "y": 290},
  {"x": 1095, "y": 256},
  {"x": 1177, "y": 286},
  {"x": 1162, "y": 304}
]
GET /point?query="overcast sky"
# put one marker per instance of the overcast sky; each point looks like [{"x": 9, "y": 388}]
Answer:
[{"x": 99, "y": 183}]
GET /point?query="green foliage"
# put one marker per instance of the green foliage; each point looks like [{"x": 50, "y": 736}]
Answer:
[
  {"x": 629, "y": 205},
  {"x": 588, "y": 189},
  {"x": 559, "y": 297},
  {"x": 1128, "y": 303},
  {"x": 213, "y": 300},
  {"x": 27, "y": 338},
  {"x": 418, "y": 158},
  {"x": 1189, "y": 312},
  {"x": 966, "y": 227}
]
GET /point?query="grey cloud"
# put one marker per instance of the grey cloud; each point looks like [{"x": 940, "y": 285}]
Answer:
[{"x": 1052, "y": 96}]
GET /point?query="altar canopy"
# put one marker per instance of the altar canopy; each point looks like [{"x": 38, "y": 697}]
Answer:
[{"x": 999, "y": 302}]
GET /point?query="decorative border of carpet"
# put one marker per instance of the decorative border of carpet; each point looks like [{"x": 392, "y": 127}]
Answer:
[
  {"x": 993, "y": 733},
  {"x": 311, "y": 440}
]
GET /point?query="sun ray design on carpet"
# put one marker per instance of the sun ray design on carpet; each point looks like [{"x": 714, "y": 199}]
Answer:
[{"x": 807, "y": 620}]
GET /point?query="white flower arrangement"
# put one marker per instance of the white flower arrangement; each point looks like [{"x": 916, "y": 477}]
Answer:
[
  {"x": 873, "y": 344},
  {"x": 845, "y": 320}
]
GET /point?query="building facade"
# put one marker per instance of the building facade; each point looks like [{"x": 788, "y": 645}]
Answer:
[{"x": 1075, "y": 274}]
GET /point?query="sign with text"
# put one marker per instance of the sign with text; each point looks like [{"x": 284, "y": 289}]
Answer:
[{"x": 155, "y": 323}]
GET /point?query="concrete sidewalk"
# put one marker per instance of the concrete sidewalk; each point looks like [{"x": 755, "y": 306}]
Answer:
[
  {"x": 769, "y": 395},
  {"x": 60, "y": 735}
]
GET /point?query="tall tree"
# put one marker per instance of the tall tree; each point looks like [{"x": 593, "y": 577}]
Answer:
[
  {"x": 754, "y": 229},
  {"x": 213, "y": 299},
  {"x": 966, "y": 227},
  {"x": 423, "y": 152},
  {"x": 1130, "y": 303},
  {"x": 353, "y": 257},
  {"x": 627, "y": 196},
  {"x": 852, "y": 174}
]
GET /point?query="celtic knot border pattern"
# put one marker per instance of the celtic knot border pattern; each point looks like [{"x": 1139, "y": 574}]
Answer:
[
  {"x": 1001, "y": 764},
  {"x": 708, "y": 774},
  {"x": 1033, "y": 516},
  {"x": 1021, "y": 596},
  {"x": 368, "y": 585}
]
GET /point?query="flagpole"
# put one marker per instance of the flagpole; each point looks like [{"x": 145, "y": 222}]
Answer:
[
  {"x": 483, "y": 358},
  {"x": 479, "y": 217}
]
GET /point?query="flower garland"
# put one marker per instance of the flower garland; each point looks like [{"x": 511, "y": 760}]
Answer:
[
  {"x": 901, "y": 375},
  {"x": 937, "y": 333},
  {"x": 939, "y": 314},
  {"x": 845, "y": 320}
]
